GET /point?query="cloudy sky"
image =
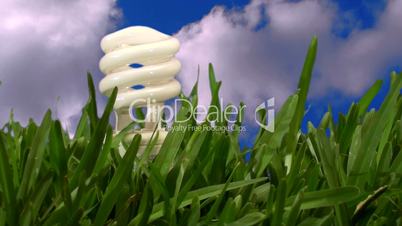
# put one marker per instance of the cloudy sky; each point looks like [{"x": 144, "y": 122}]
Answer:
[{"x": 257, "y": 48}]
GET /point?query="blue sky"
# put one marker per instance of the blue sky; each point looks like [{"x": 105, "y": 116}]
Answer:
[
  {"x": 169, "y": 16},
  {"x": 257, "y": 48}
]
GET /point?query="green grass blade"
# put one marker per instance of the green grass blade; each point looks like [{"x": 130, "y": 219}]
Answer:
[
  {"x": 145, "y": 208},
  {"x": 205, "y": 193},
  {"x": 249, "y": 219},
  {"x": 122, "y": 171},
  {"x": 367, "y": 98},
  {"x": 87, "y": 162},
  {"x": 195, "y": 212},
  {"x": 279, "y": 203},
  {"x": 295, "y": 209},
  {"x": 303, "y": 87},
  {"x": 326, "y": 197},
  {"x": 172, "y": 144},
  {"x": 35, "y": 157},
  {"x": 7, "y": 187},
  {"x": 92, "y": 108},
  {"x": 57, "y": 152}
]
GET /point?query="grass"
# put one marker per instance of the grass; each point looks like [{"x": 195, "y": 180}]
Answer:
[{"x": 338, "y": 173}]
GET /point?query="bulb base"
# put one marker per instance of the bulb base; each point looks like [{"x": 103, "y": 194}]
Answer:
[{"x": 146, "y": 136}]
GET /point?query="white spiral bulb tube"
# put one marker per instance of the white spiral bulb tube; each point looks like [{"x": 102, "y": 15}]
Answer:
[{"x": 154, "y": 52}]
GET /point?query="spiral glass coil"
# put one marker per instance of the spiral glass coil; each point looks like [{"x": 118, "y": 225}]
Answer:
[{"x": 141, "y": 63}]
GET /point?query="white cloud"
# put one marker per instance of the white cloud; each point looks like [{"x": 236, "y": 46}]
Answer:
[
  {"x": 257, "y": 63},
  {"x": 356, "y": 62},
  {"x": 47, "y": 46}
]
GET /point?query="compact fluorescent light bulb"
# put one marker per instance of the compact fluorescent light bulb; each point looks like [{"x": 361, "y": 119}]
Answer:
[{"x": 141, "y": 63}]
